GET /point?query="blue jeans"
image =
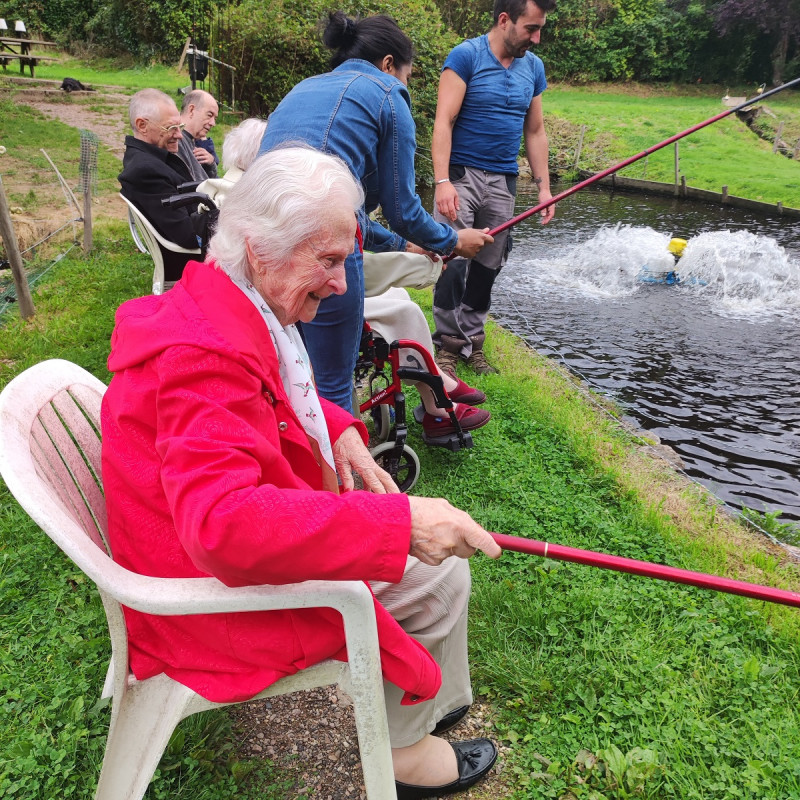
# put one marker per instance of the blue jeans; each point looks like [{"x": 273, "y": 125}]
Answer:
[{"x": 333, "y": 336}]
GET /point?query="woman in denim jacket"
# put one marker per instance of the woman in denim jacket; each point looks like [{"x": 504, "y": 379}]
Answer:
[{"x": 361, "y": 112}]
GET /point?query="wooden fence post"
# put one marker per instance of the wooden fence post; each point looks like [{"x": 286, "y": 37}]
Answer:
[
  {"x": 87, "y": 217},
  {"x": 24, "y": 299},
  {"x": 580, "y": 146},
  {"x": 777, "y": 141},
  {"x": 677, "y": 167},
  {"x": 183, "y": 54}
]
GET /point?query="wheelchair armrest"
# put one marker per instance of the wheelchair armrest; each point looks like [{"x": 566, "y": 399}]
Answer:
[
  {"x": 189, "y": 186},
  {"x": 188, "y": 199}
]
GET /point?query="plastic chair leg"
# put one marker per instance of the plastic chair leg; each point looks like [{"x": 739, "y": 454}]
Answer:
[{"x": 147, "y": 717}]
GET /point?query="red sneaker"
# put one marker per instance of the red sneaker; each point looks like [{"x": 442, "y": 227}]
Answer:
[
  {"x": 469, "y": 417},
  {"x": 463, "y": 393}
]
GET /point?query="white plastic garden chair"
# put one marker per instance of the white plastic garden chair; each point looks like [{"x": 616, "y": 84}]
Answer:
[
  {"x": 50, "y": 460},
  {"x": 149, "y": 240}
]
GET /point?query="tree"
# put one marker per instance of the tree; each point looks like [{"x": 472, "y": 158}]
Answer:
[{"x": 778, "y": 19}]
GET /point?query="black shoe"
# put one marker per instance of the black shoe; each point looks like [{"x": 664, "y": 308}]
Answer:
[
  {"x": 450, "y": 720},
  {"x": 475, "y": 758}
]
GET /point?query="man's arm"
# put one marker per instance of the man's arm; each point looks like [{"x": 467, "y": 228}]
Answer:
[
  {"x": 452, "y": 90},
  {"x": 145, "y": 186},
  {"x": 536, "y": 149}
]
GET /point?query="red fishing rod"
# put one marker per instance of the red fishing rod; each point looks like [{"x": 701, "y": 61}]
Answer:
[
  {"x": 659, "y": 571},
  {"x": 611, "y": 170}
]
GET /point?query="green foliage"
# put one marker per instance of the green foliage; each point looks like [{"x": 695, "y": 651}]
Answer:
[
  {"x": 771, "y": 522},
  {"x": 622, "y": 40},
  {"x": 608, "y": 774},
  {"x": 280, "y": 45},
  {"x": 467, "y": 19},
  {"x": 276, "y": 44},
  {"x": 60, "y": 19},
  {"x": 151, "y": 29}
]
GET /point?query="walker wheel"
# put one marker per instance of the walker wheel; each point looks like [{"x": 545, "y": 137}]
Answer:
[
  {"x": 404, "y": 470},
  {"x": 382, "y": 421}
]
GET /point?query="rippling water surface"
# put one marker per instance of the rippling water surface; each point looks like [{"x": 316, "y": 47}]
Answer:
[{"x": 710, "y": 364}]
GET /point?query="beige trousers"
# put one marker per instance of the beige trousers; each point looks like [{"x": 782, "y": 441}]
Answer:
[{"x": 431, "y": 604}]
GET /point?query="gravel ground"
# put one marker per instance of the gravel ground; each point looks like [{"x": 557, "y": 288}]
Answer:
[{"x": 311, "y": 737}]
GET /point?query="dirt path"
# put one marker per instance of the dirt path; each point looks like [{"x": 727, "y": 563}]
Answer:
[{"x": 104, "y": 113}]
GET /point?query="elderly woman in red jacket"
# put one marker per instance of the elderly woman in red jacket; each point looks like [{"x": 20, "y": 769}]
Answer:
[{"x": 220, "y": 459}]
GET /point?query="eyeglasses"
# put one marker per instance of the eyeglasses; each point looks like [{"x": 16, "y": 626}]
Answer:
[{"x": 171, "y": 128}]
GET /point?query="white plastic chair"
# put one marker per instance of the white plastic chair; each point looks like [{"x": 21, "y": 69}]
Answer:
[
  {"x": 149, "y": 240},
  {"x": 50, "y": 460}
]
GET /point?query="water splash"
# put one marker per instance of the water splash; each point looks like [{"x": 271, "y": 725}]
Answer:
[
  {"x": 743, "y": 275},
  {"x": 738, "y": 274},
  {"x": 607, "y": 265}
]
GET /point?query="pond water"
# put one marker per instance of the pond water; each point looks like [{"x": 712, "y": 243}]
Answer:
[{"x": 711, "y": 364}]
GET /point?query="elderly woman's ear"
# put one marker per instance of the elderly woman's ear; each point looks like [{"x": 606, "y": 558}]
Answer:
[{"x": 251, "y": 259}]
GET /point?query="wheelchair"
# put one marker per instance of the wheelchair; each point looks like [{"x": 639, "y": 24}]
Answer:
[{"x": 378, "y": 367}]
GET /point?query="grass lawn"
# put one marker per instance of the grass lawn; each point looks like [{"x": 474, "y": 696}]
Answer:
[
  {"x": 620, "y": 125},
  {"x": 678, "y": 692},
  {"x": 107, "y": 72}
]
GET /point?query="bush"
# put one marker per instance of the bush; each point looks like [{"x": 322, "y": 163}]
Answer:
[{"x": 279, "y": 45}]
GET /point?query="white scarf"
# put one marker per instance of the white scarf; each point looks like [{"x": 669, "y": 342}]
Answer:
[{"x": 298, "y": 382}]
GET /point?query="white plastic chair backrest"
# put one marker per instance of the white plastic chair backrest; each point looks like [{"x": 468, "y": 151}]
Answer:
[
  {"x": 153, "y": 241},
  {"x": 50, "y": 459}
]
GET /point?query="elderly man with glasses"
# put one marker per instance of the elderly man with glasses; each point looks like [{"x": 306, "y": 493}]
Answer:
[{"x": 152, "y": 170}]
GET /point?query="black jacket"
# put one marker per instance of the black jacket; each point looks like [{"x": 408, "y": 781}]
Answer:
[{"x": 149, "y": 174}]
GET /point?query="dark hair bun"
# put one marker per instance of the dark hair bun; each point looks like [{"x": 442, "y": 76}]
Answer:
[{"x": 340, "y": 32}]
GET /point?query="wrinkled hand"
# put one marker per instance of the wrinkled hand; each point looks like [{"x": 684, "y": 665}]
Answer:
[
  {"x": 438, "y": 531},
  {"x": 203, "y": 155},
  {"x": 351, "y": 455},
  {"x": 549, "y": 212},
  {"x": 470, "y": 241},
  {"x": 447, "y": 203}
]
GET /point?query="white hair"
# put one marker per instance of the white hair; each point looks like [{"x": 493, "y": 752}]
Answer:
[
  {"x": 241, "y": 144},
  {"x": 149, "y": 104},
  {"x": 279, "y": 203}
]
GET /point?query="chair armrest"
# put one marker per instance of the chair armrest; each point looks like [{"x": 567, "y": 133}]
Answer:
[{"x": 164, "y": 596}]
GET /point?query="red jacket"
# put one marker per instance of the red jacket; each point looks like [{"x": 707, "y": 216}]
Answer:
[{"x": 207, "y": 471}]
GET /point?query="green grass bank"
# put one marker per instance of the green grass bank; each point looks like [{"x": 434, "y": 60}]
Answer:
[
  {"x": 603, "y": 685},
  {"x": 626, "y": 120}
]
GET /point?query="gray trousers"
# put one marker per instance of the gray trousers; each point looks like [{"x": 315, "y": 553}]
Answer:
[
  {"x": 462, "y": 297},
  {"x": 430, "y": 603}
]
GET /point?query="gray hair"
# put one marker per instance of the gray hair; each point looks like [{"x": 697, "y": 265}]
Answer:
[
  {"x": 148, "y": 104},
  {"x": 278, "y": 204},
  {"x": 197, "y": 97},
  {"x": 241, "y": 144}
]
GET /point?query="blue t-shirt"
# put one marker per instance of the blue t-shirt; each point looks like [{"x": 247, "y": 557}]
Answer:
[{"x": 488, "y": 130}]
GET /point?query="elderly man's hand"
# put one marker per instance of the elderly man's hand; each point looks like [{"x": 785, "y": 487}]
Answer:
[
  {"x": 351, "y": 455},
  {"x": 203, "y": 156},
  {"x": 438, "y": 530}
]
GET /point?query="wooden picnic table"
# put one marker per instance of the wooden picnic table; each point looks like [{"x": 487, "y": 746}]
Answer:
[{"x": 13, "y": 48}]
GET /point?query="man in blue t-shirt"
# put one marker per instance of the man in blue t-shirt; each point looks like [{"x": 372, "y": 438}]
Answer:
[{"x": 490, "y": 96}]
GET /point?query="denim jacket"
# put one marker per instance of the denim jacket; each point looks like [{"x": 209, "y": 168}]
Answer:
[{"x": 363, "y": 115}]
